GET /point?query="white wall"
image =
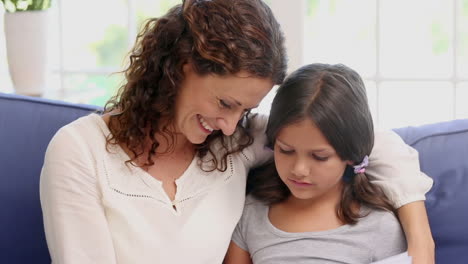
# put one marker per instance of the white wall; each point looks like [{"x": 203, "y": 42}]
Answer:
[{"x": 5, "y": 81}]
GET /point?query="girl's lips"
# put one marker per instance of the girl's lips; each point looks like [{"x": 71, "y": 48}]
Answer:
[{"x": 300, "y": 184}]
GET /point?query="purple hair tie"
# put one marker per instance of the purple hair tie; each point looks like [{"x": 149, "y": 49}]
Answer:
[{"x": 361, "y": 167}]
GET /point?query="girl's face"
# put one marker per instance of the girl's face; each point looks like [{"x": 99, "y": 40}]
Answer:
[
  {"x": 307, "y": 163},
  {"x": 211, "y": 102}
]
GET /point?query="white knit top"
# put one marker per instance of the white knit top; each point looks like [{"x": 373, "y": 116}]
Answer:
[{"x": 97, "y": 209}]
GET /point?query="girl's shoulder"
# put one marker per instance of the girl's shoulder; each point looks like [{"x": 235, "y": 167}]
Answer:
[
  {"x": 374, "y": 219},
  {"x": 253, "y": 205},
  {"x": 253, "y": 215}
]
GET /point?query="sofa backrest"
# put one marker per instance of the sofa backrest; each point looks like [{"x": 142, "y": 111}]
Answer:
[
  {"x": 443, "y": 155},
  {"x": 28, "y": 124},
  {"x": 26, "y": 127}
]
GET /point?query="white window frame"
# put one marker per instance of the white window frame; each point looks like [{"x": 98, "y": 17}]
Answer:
[{"x": 288, "y": 14}]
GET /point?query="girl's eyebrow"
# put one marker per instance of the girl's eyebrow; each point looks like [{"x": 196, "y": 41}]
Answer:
[
  {"x": 312, "y": 150},
  {"x": 282, "y": 142}
]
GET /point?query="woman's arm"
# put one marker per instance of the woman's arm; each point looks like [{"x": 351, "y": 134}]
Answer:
[
  {"x": 237, "y": 255},
  {"x": 394, "y": 166},
  {"x": 415, "y": 224},
  {"x": 74, "y": 220}
]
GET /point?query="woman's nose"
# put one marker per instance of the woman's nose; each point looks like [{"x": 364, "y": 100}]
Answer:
[{"x": 228, "y": 124}]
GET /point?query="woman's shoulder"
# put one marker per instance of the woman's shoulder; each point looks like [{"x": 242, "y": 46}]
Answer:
[
  {"x": 258, "y": 124},
  {"x": 89, "y": 127},
  {"x": 257, "y": 153},
  {"x": 85, "y": 132}
]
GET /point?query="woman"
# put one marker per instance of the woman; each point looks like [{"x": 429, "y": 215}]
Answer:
[{"x": 160, "y": 176}]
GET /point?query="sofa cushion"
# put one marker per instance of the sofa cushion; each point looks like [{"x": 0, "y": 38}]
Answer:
[
  {"x": 26, "y": 127},
  {"x": 443, "y": 154}
]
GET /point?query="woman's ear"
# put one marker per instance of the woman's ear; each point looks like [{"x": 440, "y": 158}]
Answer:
[
  {"x": 350, "y": 163},
  {"x": 186, "y": 68}
]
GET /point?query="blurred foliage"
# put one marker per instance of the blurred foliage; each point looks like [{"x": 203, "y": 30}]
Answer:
[
  {"x": 312, "y": 7},
  {"x": 111, "y": 85},
  {"x": 92, "y": 89},
  {"x": 150, "y": 9},
  {"x": 440, "y": 38},
  {"x": 12, "y": 6},
  {"x": 111, "y": 51},
  {"x": 112, "y": 48}
]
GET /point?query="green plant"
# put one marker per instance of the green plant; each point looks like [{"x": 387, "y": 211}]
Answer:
[{"x": 12, "y": 6}]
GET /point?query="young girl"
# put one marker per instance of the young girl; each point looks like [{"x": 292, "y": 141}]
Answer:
[{"x": 314, "y": 204}]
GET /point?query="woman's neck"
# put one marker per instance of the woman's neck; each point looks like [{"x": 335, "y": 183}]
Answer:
[{"x": 171, "y": 144}]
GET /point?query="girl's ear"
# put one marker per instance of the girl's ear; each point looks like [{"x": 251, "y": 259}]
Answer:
[{"x": 350, "y": 163}]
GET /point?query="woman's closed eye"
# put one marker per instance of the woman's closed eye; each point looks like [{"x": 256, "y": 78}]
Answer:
[{"x": 224, "y": 104}]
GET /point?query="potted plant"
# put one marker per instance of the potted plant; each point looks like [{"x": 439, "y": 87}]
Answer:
[{"x": 26, "y": 34}]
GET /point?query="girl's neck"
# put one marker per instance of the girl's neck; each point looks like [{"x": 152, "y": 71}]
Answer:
[
  {"x": 307, "y": 215},
  {"x": 331, "y": 199}
]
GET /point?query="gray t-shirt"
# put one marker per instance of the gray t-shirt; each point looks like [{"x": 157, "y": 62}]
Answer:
[{"x": 376, "y": 236}]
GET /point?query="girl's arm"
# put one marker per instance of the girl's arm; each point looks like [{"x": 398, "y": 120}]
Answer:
[
  {"x": 237, "y": 255},
  {"x": 415, "y": 224},
  {"x": 394, "y": 166}
]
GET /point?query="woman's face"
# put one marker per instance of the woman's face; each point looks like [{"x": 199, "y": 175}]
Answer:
[
  {"x": 307, "y": 163},
  {"x": 211, "y": 102}
]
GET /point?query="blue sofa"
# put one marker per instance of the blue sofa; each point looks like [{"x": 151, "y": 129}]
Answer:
[{"x": 27, "y": 125}]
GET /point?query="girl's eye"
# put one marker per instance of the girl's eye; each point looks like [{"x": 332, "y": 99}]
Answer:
[
  {"x": 319, "y": 158},
  {"x": 281, "y": 150},
  {"x": 223, "y": 104}
]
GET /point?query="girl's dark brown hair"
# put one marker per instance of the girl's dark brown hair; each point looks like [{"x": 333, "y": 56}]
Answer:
[
  {"x": 219, "y": 37},
  {"x": 334, "y": 98}
]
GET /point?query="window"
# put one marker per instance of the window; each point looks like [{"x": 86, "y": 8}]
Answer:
[
  {"x": 413, "y": 55},
  {"x": 91, "y": 42}
]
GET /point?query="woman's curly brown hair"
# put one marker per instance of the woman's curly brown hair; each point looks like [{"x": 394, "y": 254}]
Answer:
[{"x": 217, "y": 37}]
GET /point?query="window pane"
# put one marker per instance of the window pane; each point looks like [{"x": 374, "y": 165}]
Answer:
[
  {"x": 416, "y": 38},
  {"x": 53, "y": 55},
  {"x": 94, "y": 34},
  {"x": 91, "y": 88},
  {"x": 371, "y": 91},
  {"x": 414, "y": 103},
  {"x": 53, "y": 90},
  {"x": 462, "y": 100},
  {"x": 462, "y": 51},
  {"x": 341, "y": 31},
  {"x": 153, "y": 8},
  {"x": 265, "y": 104}
]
